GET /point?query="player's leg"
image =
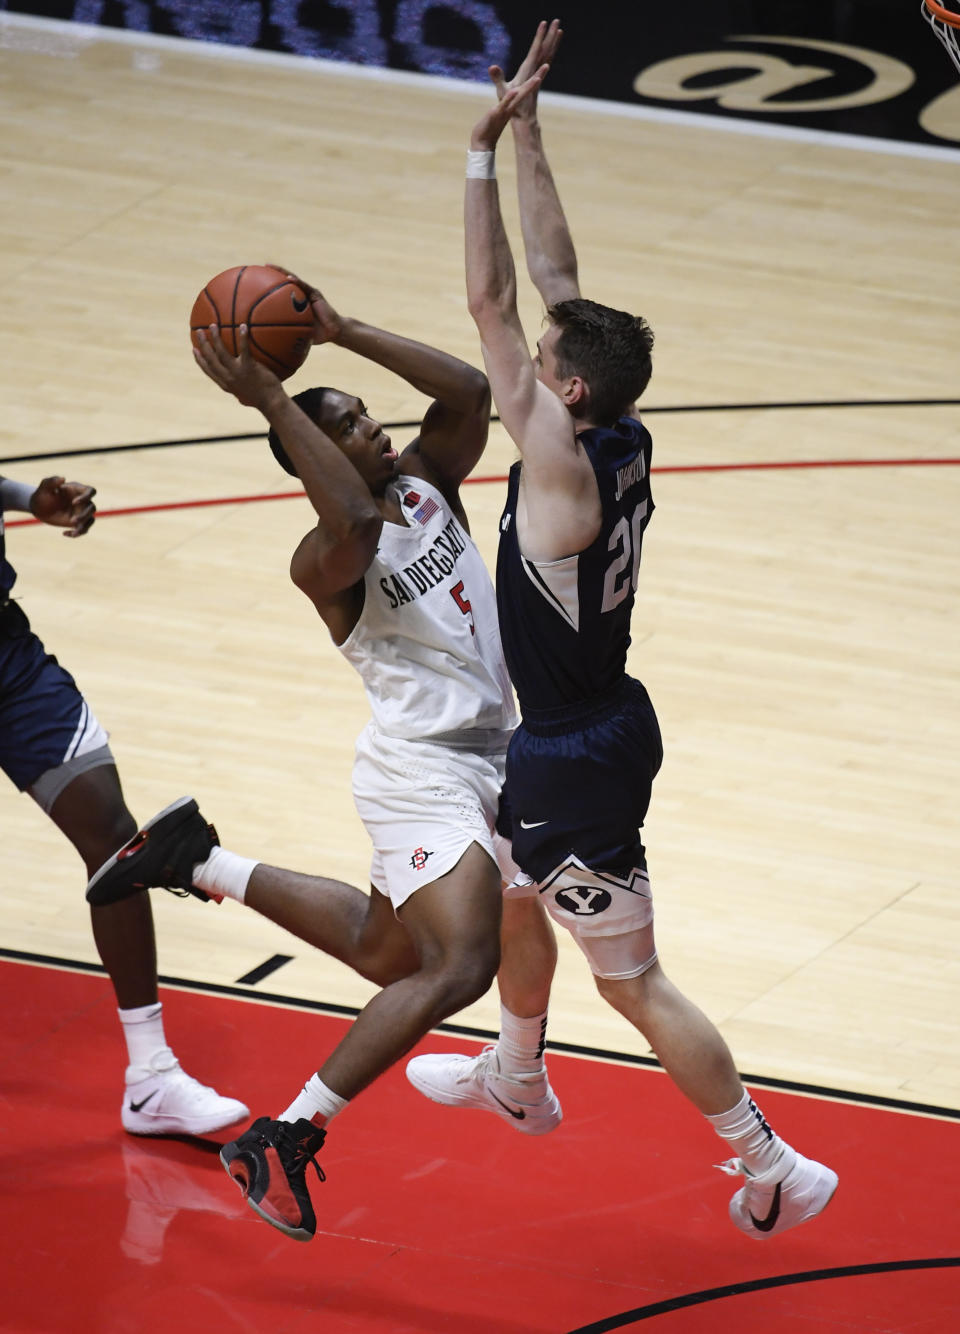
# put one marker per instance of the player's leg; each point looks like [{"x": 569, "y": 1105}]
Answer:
[
  {"x": 528, "y": 957},
  {"x": 53, "y": 747},
  {"x": 610, "y": 916},
  {"x": 454, "y": 925},
  {"x": 91, "y": 812},
  {"x": 509, "y": 1077},
  {"x": 782, "y": 1187},
  {"x": 684, "y": 1041},
  {"x": 178, "y": 849},
  {"x": 528, "y": 945},
  {"x": 359, "y": 929},
  {"x": 159, "y": 1097},
  {"x": 528, "y": 961}
]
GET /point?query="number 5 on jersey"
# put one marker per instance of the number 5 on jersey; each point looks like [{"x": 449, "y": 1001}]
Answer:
[{"x": 463, "y": 603}]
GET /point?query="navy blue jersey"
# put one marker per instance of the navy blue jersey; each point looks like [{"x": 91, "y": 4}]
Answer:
[{"x": 565, "y": 624}]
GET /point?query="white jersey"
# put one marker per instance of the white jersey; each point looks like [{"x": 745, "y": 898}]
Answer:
[{"x": 427, "y": 644}]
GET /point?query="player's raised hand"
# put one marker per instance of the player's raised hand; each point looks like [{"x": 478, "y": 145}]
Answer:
[
  {"x": 248, "y": 380},
  {"x": 327, "y": 324},
  {"x": 64, "y": 504},
  {"x": 542, "y": 51},
  {"x": 492, "y": 124}
]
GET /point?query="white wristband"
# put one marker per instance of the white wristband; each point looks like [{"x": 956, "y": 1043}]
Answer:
[
  {"x": 15, "y": 495},
  {"x": 481, "y": 166}
]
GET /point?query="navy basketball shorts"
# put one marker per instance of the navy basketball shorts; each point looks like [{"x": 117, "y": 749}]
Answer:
[
  {"x": 578, "y": 785},
  {"x": 48, "y": 732}
]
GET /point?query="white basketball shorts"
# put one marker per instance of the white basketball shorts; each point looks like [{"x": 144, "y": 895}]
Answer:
[{"x": 423, "y": 804}]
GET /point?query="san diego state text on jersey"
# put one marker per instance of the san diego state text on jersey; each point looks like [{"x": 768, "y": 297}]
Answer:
[{"x": 426, "y": 571}]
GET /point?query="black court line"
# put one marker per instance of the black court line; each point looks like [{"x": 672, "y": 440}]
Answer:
[
  {"x": 264, "y": 969},
  {"x": 487, "y": 1035},
  {"x": 758, "y": 1285},
  {"x": 785, "y": 406}
]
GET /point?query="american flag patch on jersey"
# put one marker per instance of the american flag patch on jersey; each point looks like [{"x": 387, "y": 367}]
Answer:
[{"x": 426, "y": 511}]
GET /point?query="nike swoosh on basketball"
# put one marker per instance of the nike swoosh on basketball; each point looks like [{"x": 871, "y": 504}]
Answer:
[
  {"x": 135, "y": 1106},
  {"x": 512, "y": 1111},
  {"x": 532, "y": 824},
  {"x": 769, "y": 1223}
]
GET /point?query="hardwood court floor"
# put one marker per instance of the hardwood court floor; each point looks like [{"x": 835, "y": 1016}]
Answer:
[
  {"x": 433, "y": 1221},
  {"x": 797, "y": 628}
]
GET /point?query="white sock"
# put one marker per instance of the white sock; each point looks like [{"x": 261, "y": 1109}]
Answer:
[
  {"x": 746, "y": 1131},
  {"x": 521, "y": 1042},
  {"x": 224, "y": 873},
  {"x": 143, "y": 1031},
  {"x": 315, "y": 1102}
]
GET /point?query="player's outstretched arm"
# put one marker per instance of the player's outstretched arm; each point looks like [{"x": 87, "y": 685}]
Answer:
[
  {"x": 455, "y": 427},
  {"x": 559, "y": 495},
  {"x": 335, "y": 555},
  {"x": 548, "y": 245}
]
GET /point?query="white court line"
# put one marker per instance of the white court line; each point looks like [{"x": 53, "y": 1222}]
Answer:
[{"x": 59, "y": 37}]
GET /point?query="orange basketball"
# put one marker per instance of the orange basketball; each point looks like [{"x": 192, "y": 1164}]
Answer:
[{"x": 275, "y": 310}]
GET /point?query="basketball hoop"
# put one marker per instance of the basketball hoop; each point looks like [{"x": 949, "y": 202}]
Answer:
[{"x": 944, "y": 18}]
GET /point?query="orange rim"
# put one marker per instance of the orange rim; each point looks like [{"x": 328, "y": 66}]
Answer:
[{"x": 948, "y": 16}]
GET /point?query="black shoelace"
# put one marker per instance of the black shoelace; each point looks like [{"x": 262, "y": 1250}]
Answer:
[{"x": 295, "y": 1150}]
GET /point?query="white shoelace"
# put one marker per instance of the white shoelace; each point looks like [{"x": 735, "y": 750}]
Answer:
[
  {"x": 734, "y": 1167},
  {"x": 478, "y": 1066}
]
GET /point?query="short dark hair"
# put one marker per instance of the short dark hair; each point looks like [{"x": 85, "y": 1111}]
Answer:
[
  {"x": 309, "y": 401},
  {"x": 609, "y": 349}
]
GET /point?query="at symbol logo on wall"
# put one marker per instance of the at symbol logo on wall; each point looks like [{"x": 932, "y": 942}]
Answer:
[
  {"x": 584, "y": 900},
  {"x": 760, "y": 81}
]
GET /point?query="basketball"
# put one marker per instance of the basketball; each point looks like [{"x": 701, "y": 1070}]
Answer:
[{"x": 275, "y": 310}]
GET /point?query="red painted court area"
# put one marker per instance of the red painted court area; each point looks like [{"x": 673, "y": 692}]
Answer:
[{"x": 433, "y": 1219}]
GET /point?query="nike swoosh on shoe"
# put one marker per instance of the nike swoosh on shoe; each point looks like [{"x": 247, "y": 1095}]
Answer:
[
  {"x": 769, "y": 1223},
  {"x": 512, "y": 1111}
]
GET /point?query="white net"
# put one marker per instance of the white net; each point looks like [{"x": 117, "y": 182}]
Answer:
[{"x": 944, "y": 19}]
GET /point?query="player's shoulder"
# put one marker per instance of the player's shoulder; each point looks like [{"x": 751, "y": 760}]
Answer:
[
  {"x": 417, "y": 469},
  {"x": 414, "y": 464}
]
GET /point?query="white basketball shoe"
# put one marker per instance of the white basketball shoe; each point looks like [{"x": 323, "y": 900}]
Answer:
[
  {"x": 793, "y": 1191},
  {"x": 527, "y": 1102},
  {"x": 165, "y": 1100}
]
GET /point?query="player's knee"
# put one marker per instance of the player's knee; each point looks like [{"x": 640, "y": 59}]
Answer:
[
  {"x": 100, "y": 841},
  {"x": 466, "y": 975},
  {"x": 386, "y": 965},
  {"x": 91, "y": 811},
  {"x": 611, "y": 991},
  {"x": 630, "y": 995}
]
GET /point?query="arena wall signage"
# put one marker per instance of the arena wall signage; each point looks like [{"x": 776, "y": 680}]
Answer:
[{"x": 867, "y": 67}]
